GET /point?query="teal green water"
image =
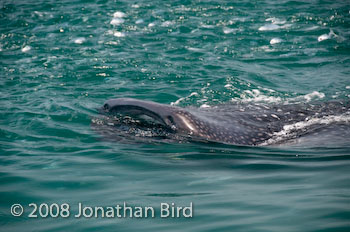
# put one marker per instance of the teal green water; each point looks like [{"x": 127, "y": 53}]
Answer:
[{"x": 60, "y": 60}]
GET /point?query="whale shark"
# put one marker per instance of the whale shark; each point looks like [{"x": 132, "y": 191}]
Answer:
[{"x": 234, "y": 123}]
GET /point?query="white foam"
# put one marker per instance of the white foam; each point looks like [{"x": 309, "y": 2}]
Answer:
[
  {"x": 347, "y": 87},
  {"x": 228, "y": 86},
  {"x": 255, "y": 95},
  {"x": 112, "y": 43},
  {"x": 206, "y": 26},
  {"x": 40, "y": 14},
  {"x": 139, "y": 21},
  {"x": 267, "y": 48},
  {"x": 289, "y": 54},
  {"x": 167, "y": 23},
  {"x": 275, "y": 41},
  {"x": 311, "y": 28},
  {"x": 151, "y": 24},
  {"x": 119, "y": 34},
  {"x": 273, "y": 26},
  {"x": 229, "y": 30},
  {"x": 205, "y": 106},
  {"x": 80, "y": 40},
  {"x": 275, "y": 20},
  {"x": 237, "y": 19},
  {"x": 194, "y": 49},
  {"x": 135, "y": 6},
  {"x": 269, "y": 27},
  {"x": 315, "y": 94},
  {"x": 183, "y": 98},
  {"x": 119, "y": 14},
  {"x": 289, "y": 131},
  {"x": 323, "y": 37},
  {"x": 26, "y": 48},
  {"x": 110, "y": 32},
  {"x": 117, "y": 21}
]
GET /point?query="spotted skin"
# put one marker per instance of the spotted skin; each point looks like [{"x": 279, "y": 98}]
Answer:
[{"x": 238, "y": 124}]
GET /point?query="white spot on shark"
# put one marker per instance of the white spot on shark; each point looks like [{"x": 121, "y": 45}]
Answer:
[{"x": 187, "y": 123}]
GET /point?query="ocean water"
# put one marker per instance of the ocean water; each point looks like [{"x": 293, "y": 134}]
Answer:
[{"x": 61, "y": 60}]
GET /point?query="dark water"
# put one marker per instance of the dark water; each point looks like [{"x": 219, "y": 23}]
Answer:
[{"x": 60, "y": 60}]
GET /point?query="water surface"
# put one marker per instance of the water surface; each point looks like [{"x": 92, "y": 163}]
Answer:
[{"x": 59, "y": 61}]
